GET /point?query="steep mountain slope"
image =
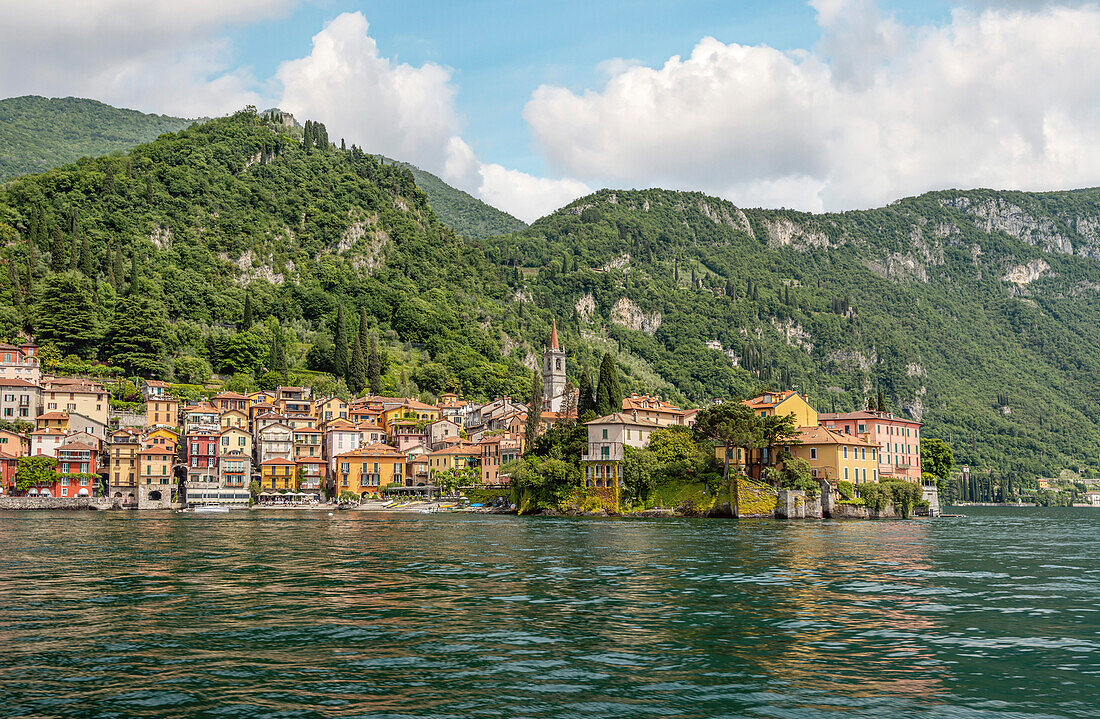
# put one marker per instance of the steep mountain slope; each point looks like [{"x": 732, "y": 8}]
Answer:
[
  {"x": 37, "y": 133},
  {"x": 176, "y": 230},
  {"x": 977, "y": 312},
  {"x": 461, "y": 211}
]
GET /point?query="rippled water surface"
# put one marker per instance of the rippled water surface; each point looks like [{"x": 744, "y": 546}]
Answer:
[{"x": 304, "y": 615}]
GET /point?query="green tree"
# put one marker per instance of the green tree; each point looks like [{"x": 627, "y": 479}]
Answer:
[
  {"x": 374, "y": 368},
  {"x": 135, "y": 338},
  {"x": 534, "y": 413},
  {"x": 246, "y": 313},
  {"x": 937, "y": 458},
  {"x": 732, "y": 425},
  {"x": 59, "y": 253},
  {"x": 357, "y": 371},
  {"x": 586, "y": 400},
  {"x": 66, "y": 313},
  {"x": 86, "y": 263},
  {"x": 244, "y": 353},
  {"x": 277, "y": 361},
  {"x": 340, "y": 346},
  {"x": 609, "y": 393},
  {"x": 776, "y": 431}
]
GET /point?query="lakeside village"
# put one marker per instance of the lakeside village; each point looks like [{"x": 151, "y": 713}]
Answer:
[{"x": 771, "y": 455}]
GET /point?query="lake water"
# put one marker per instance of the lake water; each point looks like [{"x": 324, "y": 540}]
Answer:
[{"x": 304, "y": 615}]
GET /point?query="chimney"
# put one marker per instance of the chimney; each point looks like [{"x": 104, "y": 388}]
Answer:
[{"x": 634, "y": 414}]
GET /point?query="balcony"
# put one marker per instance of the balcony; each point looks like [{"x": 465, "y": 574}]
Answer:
[{"x": 603, "y": 452}]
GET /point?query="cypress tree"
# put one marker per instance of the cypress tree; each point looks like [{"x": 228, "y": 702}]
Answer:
[
  {"x": 246, "y": 314},
  {"x": 534, "y": 414},
  {"x": 881, "y": 402},
  {"x": 279, "y": 363},
  {"x": 357, "y": 373},
  {"x": 340, "y": 346},
  {"x": 374, "y": 368},
  {"x": 29, "y": 282},
  {"x": 148, "y": 188},
  {"x": 609, "y": 394},
  {"x": 586, "y": 400},
  {"x": 85, "y": 256},
  {"x": 59, "y": 259},
  {"x": 135, "y": 273}
]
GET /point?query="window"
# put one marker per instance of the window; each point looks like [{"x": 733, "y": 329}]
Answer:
[
  {"x": 845, "y": 450},
  {"x": 605, "y": 434},
  {"x": 813, "y": 452},
  {"x": 874, "y": 475},
  {"x": 845, "y": 474}
]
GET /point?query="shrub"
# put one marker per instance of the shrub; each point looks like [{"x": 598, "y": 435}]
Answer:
[{"x": 846, "y": 489}]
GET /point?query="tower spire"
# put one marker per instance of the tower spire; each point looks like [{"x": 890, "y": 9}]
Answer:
[{"x": 554, "y": 335}]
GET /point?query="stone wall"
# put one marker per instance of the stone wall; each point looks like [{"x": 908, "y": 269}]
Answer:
[
  {"x": 794, "y": 504},
  {"x": 859, "y": 511},
  {"x": 154, "y": 496},
  {"x": 20, "y": 503},
  {"x": 754, "y": 499}
]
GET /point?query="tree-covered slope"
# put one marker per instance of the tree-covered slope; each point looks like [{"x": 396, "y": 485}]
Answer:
[
  {"x": 145, "y": 259},
  {"x": 38, "y": 133},
  {"x": 461, "y": 211},
  {"x": 977, "y": 312}
]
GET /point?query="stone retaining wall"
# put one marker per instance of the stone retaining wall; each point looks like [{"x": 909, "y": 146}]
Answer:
[
  {"x": 794, "y": 504},
  {"x": 20, "y": 503}
]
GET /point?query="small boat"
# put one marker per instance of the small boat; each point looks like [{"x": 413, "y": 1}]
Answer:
[{"x": 211, "y": 510}]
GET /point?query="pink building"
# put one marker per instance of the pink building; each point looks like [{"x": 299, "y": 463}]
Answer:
[{"x": 898, "y": 439}]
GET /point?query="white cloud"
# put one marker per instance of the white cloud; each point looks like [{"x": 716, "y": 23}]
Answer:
[
  {"x": 154, "y": 56},
  {"x": 1002, "y": 97},
  {"x": 404, "y": 112}
]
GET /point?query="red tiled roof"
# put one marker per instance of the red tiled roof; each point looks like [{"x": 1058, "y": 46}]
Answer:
[
  {"x": 275, "y": 461},
  {"x": 376, "y": 449}
]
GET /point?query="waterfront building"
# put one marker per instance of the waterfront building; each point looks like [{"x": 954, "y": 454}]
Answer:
[
  {"x": 77, "y": 469},
  {"x": 498, "y": 450},
  {"x": 603, "y": 453},
  {"x": 308, "y": 443},
  {"x": 311, "y": 474},
  {"x": 404, "y": 434},
  {"x": 457, "y": 458},
  {"x": 897, "y": 438},
  {"x": 369, "y": 468},
  {"x": 278, "y": 474},
  {"x": 340, "y": 436},
  {"x": 123, "y": 446},
  {"x": 9, "y": 465},
  {"x": 234, "y": 475},
  {"x": 202, "y": 457},
  {"x": 274, "y": 440},
  {"x": 837, "y": 456}
]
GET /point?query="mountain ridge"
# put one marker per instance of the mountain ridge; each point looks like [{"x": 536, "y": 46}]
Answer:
[{"x": 976, "y": 311}]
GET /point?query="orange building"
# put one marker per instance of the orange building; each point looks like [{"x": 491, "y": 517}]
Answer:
[{"x": 368, "y": 469}]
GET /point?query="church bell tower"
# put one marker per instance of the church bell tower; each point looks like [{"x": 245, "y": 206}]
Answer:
[{"x": 553, "y": 373}]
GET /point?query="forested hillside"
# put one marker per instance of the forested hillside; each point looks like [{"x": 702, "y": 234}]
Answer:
[
  {"x": 976, "y": 312},
  {"x": 38, "y": 133},
  {"x": 230, "y": 247},
  {"x": 145, "y": 260},
  {"x": 461, "y": 211}
]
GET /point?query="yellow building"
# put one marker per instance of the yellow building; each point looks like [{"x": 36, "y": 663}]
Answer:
[
  {"x": 155, "y": 465},
  {"x": 162, "y": 438},
  {"x": 123, "y": 446},
  {"x": 53, "y": 420},
  {"x": 233, "y": 418},
  {"x": 235, "y": 439},
  {"x": 780, "y": 403},
  {"x": 410, "y": 409},
  {"x": 458, "y": 458},
  {"x": 837, "y": 456},
  {"x": 278, "y": 474},
  {"x": 330, "y": 409},
  {"x": 162, "y": 411},
  {"x": 368, "y": 469}
]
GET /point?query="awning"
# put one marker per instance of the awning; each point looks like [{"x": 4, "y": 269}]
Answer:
[
  {"x": 82, "y": 493},
  {"x": 32, "y": 492}
]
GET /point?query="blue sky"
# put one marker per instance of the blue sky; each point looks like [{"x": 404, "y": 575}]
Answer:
[
  {"x": 818, "y": 105},
  {"x": 501, "y": 51}
]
